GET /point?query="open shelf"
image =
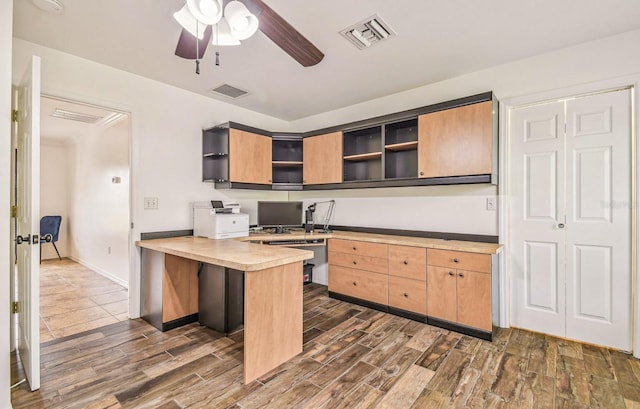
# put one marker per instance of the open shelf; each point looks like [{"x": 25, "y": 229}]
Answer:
[
  {"x": 286, "y": 161},
  {"x": 402, "y": 146},
  {"x": 364, "y": 156}
]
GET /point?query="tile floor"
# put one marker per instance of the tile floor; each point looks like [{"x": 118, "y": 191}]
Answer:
[{"x": 74, "y": 299}]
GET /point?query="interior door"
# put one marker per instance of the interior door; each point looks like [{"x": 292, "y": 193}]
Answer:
[
  {"x": 537, "y": 218},
  {"x": 571, "y": 218},
  {"x": 598, "y": 234},
  {"x": 28, "y": 222}
]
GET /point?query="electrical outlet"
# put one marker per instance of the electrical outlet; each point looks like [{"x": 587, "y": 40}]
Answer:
[
  {"x": 150, "y": 203},
  {"x": 491, "y": 203}
]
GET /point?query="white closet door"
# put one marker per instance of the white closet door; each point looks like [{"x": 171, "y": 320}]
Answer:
[
  {"x": 537, "y": 209},
  {"x": 598, "y": 266}
]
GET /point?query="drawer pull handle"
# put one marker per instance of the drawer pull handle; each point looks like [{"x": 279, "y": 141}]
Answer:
[
  {"x": 406, "y": 295},
  {"x": 355, "y": 284},
  {"x": 451, "y": 273},
  {"x": 354, "y": 248},
  {"x": 460, "y": 275},
  {"x": 355, "y": 262},
  {"x": 455, "y": 260},
  {"x": 405, "y": 262}
]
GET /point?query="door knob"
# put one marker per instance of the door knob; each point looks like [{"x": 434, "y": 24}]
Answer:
[
  {"x": 561, "y": 225},
  {"x": 23, "y": 239}
]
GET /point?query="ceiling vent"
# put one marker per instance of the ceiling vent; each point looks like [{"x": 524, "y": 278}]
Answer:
[
  {"x": 368, "y": 32},
  {"x": 75, "y": 116},
  {"x": 229, "y": 91}
]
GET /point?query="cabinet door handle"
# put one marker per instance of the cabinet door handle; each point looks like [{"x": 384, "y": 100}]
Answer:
[
  {"x": 421, "y": 173},
  {"x": 405, "y": 262},
  {"x": 451, "y": 273},
  {"x": 460, "y": 275},
  {"x": 406, "y": 295},
  {"x": 355, "y": 284},
  {"x": 354, "y": 248},
  {"x": 455, "y": 260},
  {"x": 304, "y": 181},
  {"x": 269, "y": 180},
  {"x": 355, "y": 262}
]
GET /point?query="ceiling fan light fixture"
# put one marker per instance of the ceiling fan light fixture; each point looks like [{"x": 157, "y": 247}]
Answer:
[
  {"x": 208, "y": 12},
  {"x": 242, "y": 23},
  {"x": 222, "y": 35},
  {"x": 189, "y": 22}
]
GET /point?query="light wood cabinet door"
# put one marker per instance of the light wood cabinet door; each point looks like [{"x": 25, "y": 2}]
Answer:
[
  {"x": 322, "y": 159},
  {"x": 408, "y": 294},
  {"x": 375, "y": 264},
  {"x": 441, "y": 293},
  {"x": 179, "y": 287},
  {"x": 359, "y": 284},
  {"x": 459, "y": 260},
  {"x": 474, "y": 299},
  {"x": 456, "y": 142},
  {"x": 408, "y": 262},
  {"x": 249, "y": 157}
]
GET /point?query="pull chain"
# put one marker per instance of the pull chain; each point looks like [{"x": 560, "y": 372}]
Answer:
[{"x": 197, "y": 51}]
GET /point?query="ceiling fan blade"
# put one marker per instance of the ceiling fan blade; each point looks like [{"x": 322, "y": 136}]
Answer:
[
  {"x": 284, "y": 35},
  {"x": 187, "y": 46}
]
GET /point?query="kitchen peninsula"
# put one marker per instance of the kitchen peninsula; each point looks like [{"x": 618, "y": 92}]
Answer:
[{"x": 272, "y": 292}]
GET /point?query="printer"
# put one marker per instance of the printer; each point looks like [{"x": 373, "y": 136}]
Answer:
[{"x": 217, "y": 220}]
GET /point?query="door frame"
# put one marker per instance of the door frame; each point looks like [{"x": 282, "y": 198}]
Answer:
[
  {"x": 134, "y": 281},
  {"x": 504, "y": 165}
]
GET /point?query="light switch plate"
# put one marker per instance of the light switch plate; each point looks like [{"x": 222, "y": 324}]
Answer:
[
  {"x": 150, "y": 203},
  {"x": 491, "y": 203}
]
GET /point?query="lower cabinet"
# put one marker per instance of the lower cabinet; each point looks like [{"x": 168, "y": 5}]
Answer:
[
  {"x": 457, "y": 295},
  {"x": 365, "y": 285},
  {"x": 452, "y": 289}
]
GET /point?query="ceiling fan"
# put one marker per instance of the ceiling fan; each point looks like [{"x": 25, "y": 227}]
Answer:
[{"x": 206, "y": 21}]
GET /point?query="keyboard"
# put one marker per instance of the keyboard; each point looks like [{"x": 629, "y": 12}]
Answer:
[{"x": 293, "y": 242}]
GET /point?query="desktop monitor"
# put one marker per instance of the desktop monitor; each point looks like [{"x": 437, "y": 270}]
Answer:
[{"x": 274, "y": 214}]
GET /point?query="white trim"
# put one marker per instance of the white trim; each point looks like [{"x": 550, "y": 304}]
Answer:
[
  {"x": 504, "y": 166},
  {"x": 100, "y": 271},
  {"x": 503, "y": 215}
]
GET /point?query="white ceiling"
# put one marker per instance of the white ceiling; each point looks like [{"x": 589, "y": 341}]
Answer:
[{"x": 435, "y": 40}]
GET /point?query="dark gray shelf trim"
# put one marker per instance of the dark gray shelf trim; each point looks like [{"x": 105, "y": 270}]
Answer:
[
  {"x": 402, "y": 182},
  {"x": 165, "y": 234}
]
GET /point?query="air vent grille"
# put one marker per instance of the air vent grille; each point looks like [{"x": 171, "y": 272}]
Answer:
[
  {"x": 75, "y": 116},
  {"x": 368, "y": 32},
  {"x": 229, "y": 91}
]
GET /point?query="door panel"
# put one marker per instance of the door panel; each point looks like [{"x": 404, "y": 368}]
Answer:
[
  {"x": 474, "y": 299},
  {"x": 593, "y": 282},
  {"x": 322, "y": 159},
  {"x": 441, "y": 293},
  {"x": 249, "y": 157},
  {"x": 599, "y": 219},
  {"x": 537, "y": 243},
  {"x": 541, "y": 276}
]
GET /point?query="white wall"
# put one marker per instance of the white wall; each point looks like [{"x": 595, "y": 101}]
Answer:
[
  {"x": 98, "y": 208},
  {"x": 54, "y": 178},
  {"x": 6, "y": 27}
]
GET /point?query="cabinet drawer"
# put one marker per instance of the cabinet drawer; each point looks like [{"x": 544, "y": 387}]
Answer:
[
  {"x": 408, "y": 262},
  {"x": 358, "y": 247},
  {"x": 408, "y": 294},
  {"x": 379, "y": 265},
  {"x": 459, "y": 259},
  {"x": 360, "y": 284}
]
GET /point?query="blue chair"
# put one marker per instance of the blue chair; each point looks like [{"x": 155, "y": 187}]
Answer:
[{"x": 49, "y": 229}]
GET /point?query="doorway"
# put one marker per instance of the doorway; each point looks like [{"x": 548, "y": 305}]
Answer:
[
  {"x": 571, "y": 218},
  {"x": 85, "y": 179}
]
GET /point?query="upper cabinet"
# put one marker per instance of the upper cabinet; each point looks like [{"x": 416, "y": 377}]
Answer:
[
  {"x": 322, "y": 159},
  {"x": 456, "y": 142},
  {"x": 453, "y": 142},
  {"x": 249, "y": 157},
  {"x": 236, "y": 156}
]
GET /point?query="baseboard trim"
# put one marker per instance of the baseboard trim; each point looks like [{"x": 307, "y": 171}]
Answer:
[{"x": 102, "y": 272}]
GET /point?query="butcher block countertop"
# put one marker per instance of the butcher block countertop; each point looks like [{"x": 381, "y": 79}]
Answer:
[
  {"x": 227, "y": 253},
  {"x": 456, "y": 245}
]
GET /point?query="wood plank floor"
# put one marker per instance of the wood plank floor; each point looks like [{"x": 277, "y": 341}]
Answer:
[
  {"x": 75, "y": 299},
  {"x": 353, "y": 357}
]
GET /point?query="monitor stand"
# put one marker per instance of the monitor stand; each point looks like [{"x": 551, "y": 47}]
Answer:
[{"x": 280, "y": 230}]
